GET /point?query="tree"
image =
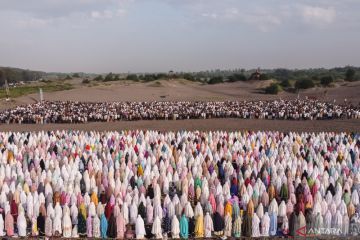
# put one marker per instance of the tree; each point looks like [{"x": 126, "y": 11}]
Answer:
[
  {"x": 189, "y": 77},
  {"x": 304, "y": 84},
  {"x": 2, "y": 77},
  {"x": 326, "y": 80},
  {"x": 76, "y": 75},
  {"x": 285, "y": 83},
  {"x": 109, "y": 77},
  {"x": 237, "y": 77},
  {"x": 274, "y": 88},
  {"x": 68, "y": 77},
  {"x": 132, "y": 77},
  {"x": 26, "y": 76},
  {"x": 116, "y": 77},
  {"x": 350, "y": 75},
  {"x": 264, "y": 76},
  {"x": 216, "y": 80},
  {"x": 99, "y": 78}
]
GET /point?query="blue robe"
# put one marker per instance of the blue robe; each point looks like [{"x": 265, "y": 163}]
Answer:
[
  {"x": 273, "y": 224},
  {"x": 103, "y": 226},
  {"x": 184, "y": 227}
]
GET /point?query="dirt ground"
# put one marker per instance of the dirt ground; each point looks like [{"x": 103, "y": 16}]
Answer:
[
  {"x": 182, "y": 90},
  {"x": 201, "y": 125}
]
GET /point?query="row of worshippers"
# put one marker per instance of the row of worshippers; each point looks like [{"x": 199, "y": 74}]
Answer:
[
  {"x": 81, "y": 112},
  {"x": 178, "y": 184}
]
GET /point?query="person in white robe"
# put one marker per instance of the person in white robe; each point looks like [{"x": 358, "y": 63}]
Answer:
[
  {"x": 2, "y": 233},
  {"x": 175, "y": 227},
  {"x": 21, "y": 223},
  {"x": 156, "y": 228},
  {"x": 255, "y": 226},
  {"x": 96, "y": 227},
  {"x": 208, "y": 225},
  {"x": 66, "y": 223},
  {"x": 265, "y": 225},
  {"x": 140, "y": 228}
]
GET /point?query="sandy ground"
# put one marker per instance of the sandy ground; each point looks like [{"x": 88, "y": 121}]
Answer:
[
  {"x": 166, "y": 90},
  {"x": 174, "y": 90},
  {"x": 201, "y": 125}
]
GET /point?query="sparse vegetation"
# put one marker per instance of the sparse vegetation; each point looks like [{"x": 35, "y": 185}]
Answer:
[
  {"x": 326, "y": 80},
  {"x": 304, "y": 84},
  {"x": 109, "y": 77},
  {"x": 285, "y": 83},
  {"x": 350, "y": 75},
  {"x": 274, "y": 88},
  {"x": 68, "y": 77},
  {"x": 132, "y": 77},
  {"x": 237, "y": 77},
  {"x": 25, "y": 90},
  {"x": 99, "y": 78},
  {"x": 85, "y": 81},
  {"x": 216, "y": 80}
]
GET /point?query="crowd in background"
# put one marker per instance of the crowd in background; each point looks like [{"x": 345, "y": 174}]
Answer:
[
  {"x": 82, "y": 112},
  {"x": 148, "y": 184}
]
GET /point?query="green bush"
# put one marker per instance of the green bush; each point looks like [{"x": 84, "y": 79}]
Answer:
[
  {"x": 285, "y": 83},
  {"x": 99, "y": 78},
  {"x": 350, "y": 75},
  {"x": 132, "y": 77},
  {"x": 326, "y": 80},
  {"x": 274, "y": 88},
  {"x": 237, "y": 77},
  {"x": 264, "y": 76},
  {"x": 216, "y": 80},
  {"x": 304, "y": 84}
]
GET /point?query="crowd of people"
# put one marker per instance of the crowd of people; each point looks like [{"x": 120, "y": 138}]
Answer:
[
  {"x": 82, "y": 112},
  {"x": 150, "y": 184}
]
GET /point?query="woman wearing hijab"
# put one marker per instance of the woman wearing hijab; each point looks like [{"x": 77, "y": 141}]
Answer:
[
  {"x": 199, "y": 226},
  {"x": 2, "y": 233},
  {"x": 140, "y": 228},
  {"x": 247, "y": 224},
  {"x": 82, "y": 224},
  {"x": 96, "y": 227},
  {"x": 156, "y": 228},
  {"x": 166, "y": 224},
  {"x": 9, "y": 224},
  {"x": 208, "y": 225},
  {"x": 175, "y": 227},
  {"x": 218, "y": 224},
  {"x": 120, "y": 226},
  {"x": 89, "y": 227},
  {"x": 21, "y": 223},
  {"x": 48, "y": 226},
  {"x": 265, "y": 225},
  {"x": 184, "y": 227},
  {"x": 66, "y": 223},
  {"x": 228, "y": 225},
  {"x": 112, "y": 231},
  {"x": 103, "y": 226}
]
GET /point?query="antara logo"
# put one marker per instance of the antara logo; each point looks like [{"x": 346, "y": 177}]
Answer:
[{"x": 313, "y": 232}]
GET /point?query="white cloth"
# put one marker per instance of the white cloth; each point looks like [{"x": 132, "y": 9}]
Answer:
[{"x": 140, "y": 228}]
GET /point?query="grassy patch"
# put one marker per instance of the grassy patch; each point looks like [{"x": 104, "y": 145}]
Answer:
[{"x": 25, "y": 90}]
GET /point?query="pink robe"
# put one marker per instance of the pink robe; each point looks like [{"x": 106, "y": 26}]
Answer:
[
  {"x": 89, "y": 226},
  {"x": 9, "y": 224},
  {"x": 120, "y": 226}
]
